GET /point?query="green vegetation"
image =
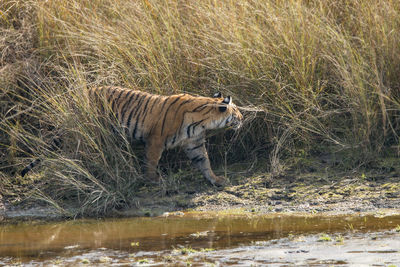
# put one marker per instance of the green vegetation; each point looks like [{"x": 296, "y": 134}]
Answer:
[
  {"x": 314, "y": 78},
  {"x": 324, "y": 238},
  {"x": 207, "y": 249},
  {"x": 184, "y": 250},
  {"x": 143, "y": 261},
  {"x": 85, "y": 261},
  {"x": 339, "y": 239}
]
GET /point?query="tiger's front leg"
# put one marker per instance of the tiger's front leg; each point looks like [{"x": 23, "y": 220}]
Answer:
[
  {"x": 153, "y": 155},
  {"x": 197, "y": 153}
]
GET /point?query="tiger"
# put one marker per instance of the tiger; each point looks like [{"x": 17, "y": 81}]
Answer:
[{"x": 165, "y": 122}]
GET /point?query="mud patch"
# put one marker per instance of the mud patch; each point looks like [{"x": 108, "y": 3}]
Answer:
[{"x": 307, "y": 193}]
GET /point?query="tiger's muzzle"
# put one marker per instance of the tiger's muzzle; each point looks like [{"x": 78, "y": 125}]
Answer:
[{"x": 236, "y": 122}]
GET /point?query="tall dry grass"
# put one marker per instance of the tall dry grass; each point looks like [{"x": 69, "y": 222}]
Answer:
[{"x": 317, "y": 77}]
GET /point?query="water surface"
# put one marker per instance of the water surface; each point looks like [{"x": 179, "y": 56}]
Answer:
[{"x": 229, "y": 239}]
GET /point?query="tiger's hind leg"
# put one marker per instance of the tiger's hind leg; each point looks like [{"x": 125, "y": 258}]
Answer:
[{"x": 197, "y": 153}]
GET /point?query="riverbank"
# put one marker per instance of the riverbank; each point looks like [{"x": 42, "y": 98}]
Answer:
[
  {"x": 305, "y": 193},
  {"x": 331, "y": 192}
]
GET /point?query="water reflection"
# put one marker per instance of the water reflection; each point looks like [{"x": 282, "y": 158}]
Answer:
[{"x": 27, "y": 240}]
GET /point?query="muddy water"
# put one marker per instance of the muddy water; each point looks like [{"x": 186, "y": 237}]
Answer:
[{"x": 202, "y": 239}]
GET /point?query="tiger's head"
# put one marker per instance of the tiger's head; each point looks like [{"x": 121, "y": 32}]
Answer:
[
  {"x": 217, "y": 112},
  {"x": 229, "y": 113}
]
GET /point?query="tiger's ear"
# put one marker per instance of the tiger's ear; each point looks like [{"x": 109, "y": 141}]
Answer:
[
  {"x": 227, "y": 101},
  {"x": 217, "y": 95}
]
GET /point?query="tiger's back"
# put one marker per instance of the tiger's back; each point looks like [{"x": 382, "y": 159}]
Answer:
[
  {"x": 166, "y": 117},
  {"x": 130, "y": 107}
]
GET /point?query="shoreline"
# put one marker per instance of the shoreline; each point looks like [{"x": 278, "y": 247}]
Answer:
[{"x": 348, "y": 196}]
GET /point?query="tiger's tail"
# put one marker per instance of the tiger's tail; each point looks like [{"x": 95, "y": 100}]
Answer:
[
  {"x": 30, "y": 166},
  {"x": 56, "y": 144}
]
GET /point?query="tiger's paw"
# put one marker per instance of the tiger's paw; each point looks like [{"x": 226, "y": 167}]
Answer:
[
  {"x": 219, "y": 181},
  {"x": 154, "y": 179}
]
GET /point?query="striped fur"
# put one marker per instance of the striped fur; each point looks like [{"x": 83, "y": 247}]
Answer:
[{"x": 164, "y": 122}]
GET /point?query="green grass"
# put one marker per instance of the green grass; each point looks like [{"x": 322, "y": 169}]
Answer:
[
  {"x": 324, "y": 238},
  {"x": 185, "y": 250},
  {"x": 313, "y": 77},
  {"x": 143, "y": 261},
  {"x": 339, "y": 239}
]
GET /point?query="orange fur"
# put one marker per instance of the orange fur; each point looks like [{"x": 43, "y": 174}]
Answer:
[{"x": 164, "y": 122}]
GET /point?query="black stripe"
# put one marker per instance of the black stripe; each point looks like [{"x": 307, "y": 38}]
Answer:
[
  {"x": 196, "y": 147},
  {"x": 183, "y": 117},
  {"x": 134, "y": 130},
  {"x": 197, "y": 124},
  {"x": 134, "y": 110},
  {"x": 138, "y": 116},
  {"x": 200, "y": 108},
  {"x": 116, "y": 100},
  {"x": 137, "y": 111},
  {"x": 109, "y": 88},
  {"x": 163, "y": 105},
  {"x": 166, "y": 112},
  {"x": 181, "y": 104},
  {"x": 208, "y": 111},
  {"x": 127, "y": 104},
  {"x": 98, "y": 90},
  {"x": 145, "y": 110},
  {"x": 197, "y": 159},
  {"x": 109, "y": 98},
  {"x": 185, "y": 102},
  {"x": 165, "y": 143},
  {"x": 174, "y": 139},
  {"x": 194, "y": 125},
  {"x": 155, "y": 101},
  {"x": 98, "y": 97}
]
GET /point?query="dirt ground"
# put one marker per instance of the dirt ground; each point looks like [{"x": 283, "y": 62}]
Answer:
[
  {"x": 332, "y": 192},
  {"x": 310, "y": 193}
]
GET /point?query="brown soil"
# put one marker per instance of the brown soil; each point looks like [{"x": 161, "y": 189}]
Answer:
[{"x": 310, "y": 192}]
